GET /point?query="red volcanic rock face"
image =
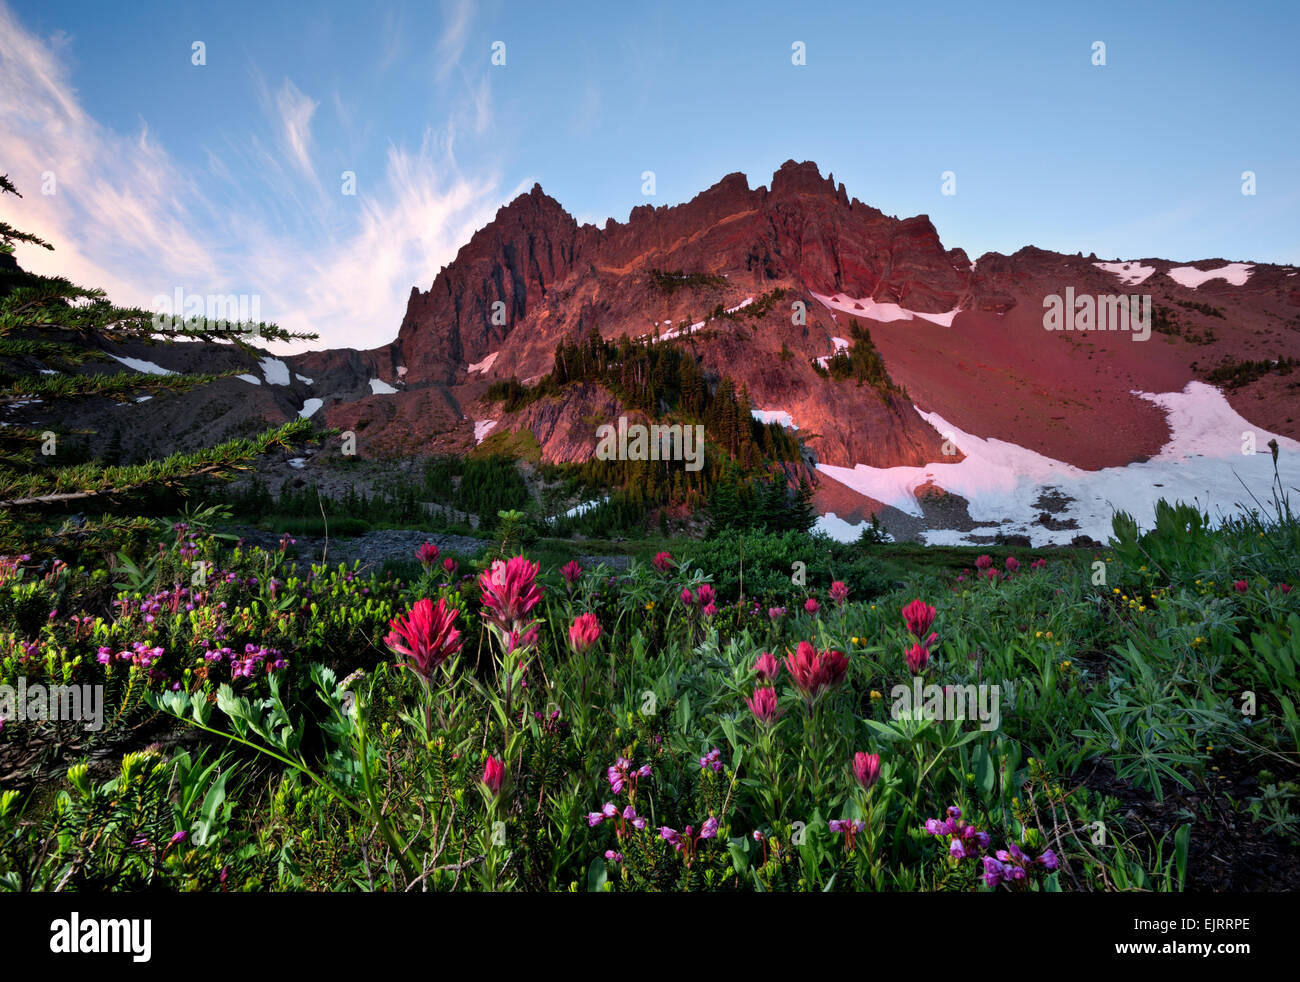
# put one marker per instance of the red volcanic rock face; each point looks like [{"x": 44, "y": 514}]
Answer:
[{"x": 534, "y": 278}]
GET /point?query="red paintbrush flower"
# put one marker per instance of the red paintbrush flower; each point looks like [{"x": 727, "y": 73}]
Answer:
[{"x": 426, "y": 636}]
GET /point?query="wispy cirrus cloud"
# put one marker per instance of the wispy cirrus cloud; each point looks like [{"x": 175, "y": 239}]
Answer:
[
  {"x": 296, "y": 111},
  {"x": 457, "y": 15},
  {"x": 128, "y": 217}
]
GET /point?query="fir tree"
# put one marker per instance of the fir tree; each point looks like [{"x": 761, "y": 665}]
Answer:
[{"x": 48, "y": 321}]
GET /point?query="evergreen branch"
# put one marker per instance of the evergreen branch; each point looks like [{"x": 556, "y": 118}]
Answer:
[
  {"x": 117, "y": 383},
  {"x": 84, "y": 481}
]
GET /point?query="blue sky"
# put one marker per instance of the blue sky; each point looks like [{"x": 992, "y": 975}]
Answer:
[{"x": 225, "y": 177}]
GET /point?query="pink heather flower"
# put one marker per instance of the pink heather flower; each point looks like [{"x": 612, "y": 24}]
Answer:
[
  {"x": 510, "y": 592},
  {"x": 584, "y": 632},
  {"x": 1012, "y": 564},
  {"x": 918, "y": 615},
  {"x": 710, "y": 828},
  {"x": 917, "y": 657},
  {"x": 426, "y": 636},
  {"x": 427, "y": 554},
  {"x": 494, "y": 775},
  {"x": 866, "y": 768},
  {"x": 983, "y": 562},
  {"x": 705, "y": 595},
  {"x": 763, "y": 704},
  {"x": 1241, "y": 586},
  {"x": 688, "y": 598},
  {"x": 767, "y": 667},
  {"x": 811, "y": 605},
  {"x": 839, "y": 592},
  {"x": 613, "y": 857},
  {"x": 571, "y": 572},
  {"x": 663, "y": 562}
]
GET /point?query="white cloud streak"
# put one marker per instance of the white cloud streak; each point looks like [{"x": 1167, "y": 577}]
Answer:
[{"x": 127, "y": 217}]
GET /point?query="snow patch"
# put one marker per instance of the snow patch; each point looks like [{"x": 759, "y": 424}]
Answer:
[
  {"x": 1189, "y": 276},
  {"x": 842, "y": 530},
  {"x": 482, "y": 428},
  {"x": 676, "y": 333},
  {"x": 250, "y": 379},
  {"x": 303, "y": 378},
  {"x": 1201, "y": 464},
  {"x": 309, "y": 407},
  {"x": 774, "y": 416},
  {"x": 298, "y": 463},
  {"x": 143, "y": 398},
  {"x": 1130, "y": 273},
  {"x": 485, "y": 364},
  {"x": 884, "y": 312},
  {"x": 379, "y": 387},
  {"x": 276, "y": 371},
  {"x": 585, "y": 507},
  {"x": 140, "y": 365}
]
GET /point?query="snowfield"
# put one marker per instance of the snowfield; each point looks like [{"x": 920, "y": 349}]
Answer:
[
  {"x": 140, "y": 365},
  {"x": 482, "y": 428},
  {"x": 1189, "y": 276},
  {"x": 379, "y": 387},
  {"x": 250, "y": 379},
  {"x": 1202, "y": 464},
  {"x": 485, "y": 364},
  {"x": 1130, "y": 274},
  {"x": 843, "y": 531},
  {"x": 276, "y": 371},
  {"x": 774, "y": 416},
  {"x": 886, "y": 312},
  {"x": 309, "y": 407}
]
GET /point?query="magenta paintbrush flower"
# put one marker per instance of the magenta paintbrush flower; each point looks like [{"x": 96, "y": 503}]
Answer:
[
  {"x": 571, "y": 572},
  {"x": 584, "y": 632},
  {"x": 426, "y": 636},
  {"x": 983, "y": 562},
  {"x": 839, "y": 592},
  {"x": 705, "y": 595},
  {"x": 494, "y": 775},
  {"x": 918, "y": 615},
  {"x": 1012, "y": 564},
  {"x": 811, "y": 605},
  {"x": 866, "y": 768},
  {"x": 763, "y": 704},
  {"x": 427, "y": 554},
  {"x": 767, "y": 667},
  {"x": 663, "y": 562},
  {"x": 917, "y": 657},
  {"x": 814, "y": 672},
  {"x": 510, "y": 592}
]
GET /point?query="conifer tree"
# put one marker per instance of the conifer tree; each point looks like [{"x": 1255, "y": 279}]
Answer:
[{"x": 51, "y": 332}]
